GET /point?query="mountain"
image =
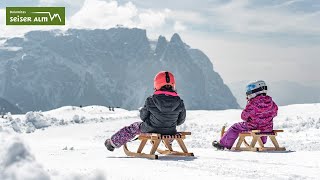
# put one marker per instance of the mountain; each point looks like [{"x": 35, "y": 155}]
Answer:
[
  {"x": 6, "y": 106},
  {"x": 283, "y": 92},
  {"x": 286, "y": 92},
  {"x": 238, "y": 89},
  {"x": 114, "y": 67}
]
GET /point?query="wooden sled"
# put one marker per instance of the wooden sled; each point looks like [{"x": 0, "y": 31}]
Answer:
[
  {"x": 256, "y": 137},
  {"x": 155, "y": 140}
]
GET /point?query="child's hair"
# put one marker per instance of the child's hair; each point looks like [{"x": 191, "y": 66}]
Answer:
[
  {"x": 262, "y": 94},
  {"x": 167, "y": 88}
]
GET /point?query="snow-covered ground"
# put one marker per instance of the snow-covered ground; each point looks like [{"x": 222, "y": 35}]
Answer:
[{"x": 67, "y": 143}]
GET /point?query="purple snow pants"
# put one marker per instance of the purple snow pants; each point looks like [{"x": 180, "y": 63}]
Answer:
[
  {"x": 232, "y": 134},
  {"x": 125, "y": 134}
]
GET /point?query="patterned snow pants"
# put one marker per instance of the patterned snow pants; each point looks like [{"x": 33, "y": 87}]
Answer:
[
  {"x": 232, "y": 134},
  {"x": 125, "y": 134}
]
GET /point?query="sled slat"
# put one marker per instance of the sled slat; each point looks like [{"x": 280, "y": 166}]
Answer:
[
  {"x": 141, "y": 146},
  {"x": 142, "y": 155},
  {"x": 156, "y": 139},
  {"x": 167, "y": 144},
  {"x": 176, "y": 153}
]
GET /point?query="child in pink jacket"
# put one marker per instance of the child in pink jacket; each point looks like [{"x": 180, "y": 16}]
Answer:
[{"x": 258, "y": 115}]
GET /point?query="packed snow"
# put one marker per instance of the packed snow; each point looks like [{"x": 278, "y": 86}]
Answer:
[{"x": 67, "y": 143}]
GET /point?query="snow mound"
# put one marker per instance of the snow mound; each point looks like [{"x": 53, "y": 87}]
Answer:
[
  {"x": 37, "y": 119},
  {"x": 301, "y": 123},
  {"x": 86, "y": 109},
  {"x": 32, "y": 121},
  {"x": 16, "y": 161}
]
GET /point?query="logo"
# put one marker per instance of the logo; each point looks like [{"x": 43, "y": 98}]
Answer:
[{"x": 35, "y": 16}]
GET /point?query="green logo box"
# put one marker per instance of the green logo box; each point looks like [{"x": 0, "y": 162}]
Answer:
[{"x": 35, "y": 16}]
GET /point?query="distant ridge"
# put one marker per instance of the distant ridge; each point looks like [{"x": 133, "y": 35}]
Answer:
[
  {"x": 6, "y": 106},
  {"x": 50, "y": 69}
]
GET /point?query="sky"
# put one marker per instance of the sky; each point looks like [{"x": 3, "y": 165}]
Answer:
[{"x": 272, "y": 40}]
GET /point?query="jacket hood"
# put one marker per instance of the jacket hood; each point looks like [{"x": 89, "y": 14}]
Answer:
[{"x": 166, "y": 103}]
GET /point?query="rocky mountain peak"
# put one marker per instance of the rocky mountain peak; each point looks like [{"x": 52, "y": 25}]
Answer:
[
  {"x": 111, "y": 67},
  {"x": 161, "y": 45}
]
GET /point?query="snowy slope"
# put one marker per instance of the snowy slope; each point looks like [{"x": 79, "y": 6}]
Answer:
[{"x": 70, "y": 146}]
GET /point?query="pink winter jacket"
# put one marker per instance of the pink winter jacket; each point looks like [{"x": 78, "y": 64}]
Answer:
[{"x": 259, "y": 113}]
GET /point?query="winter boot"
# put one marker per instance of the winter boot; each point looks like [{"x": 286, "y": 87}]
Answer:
[
  {"x": 217, "y": 145},
  {"x": 108, "y": 145}
]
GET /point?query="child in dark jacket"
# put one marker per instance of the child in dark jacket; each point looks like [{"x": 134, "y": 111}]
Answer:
[
  {"x": 162, "y": 113},
  {"x": 258, "y": 115}
]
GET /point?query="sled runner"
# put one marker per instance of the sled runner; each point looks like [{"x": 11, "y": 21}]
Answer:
[
  {"x": 156, "y": 139},
  {"x": 256, "y": 137}
]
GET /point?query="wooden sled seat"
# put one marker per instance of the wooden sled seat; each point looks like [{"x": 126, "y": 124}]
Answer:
[
  {"x": 256, "y": 137},
  {"x": 155, "y": 139}
]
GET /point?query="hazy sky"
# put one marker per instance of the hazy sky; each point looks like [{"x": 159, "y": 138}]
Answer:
[{"x": 245, "y": 39}]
